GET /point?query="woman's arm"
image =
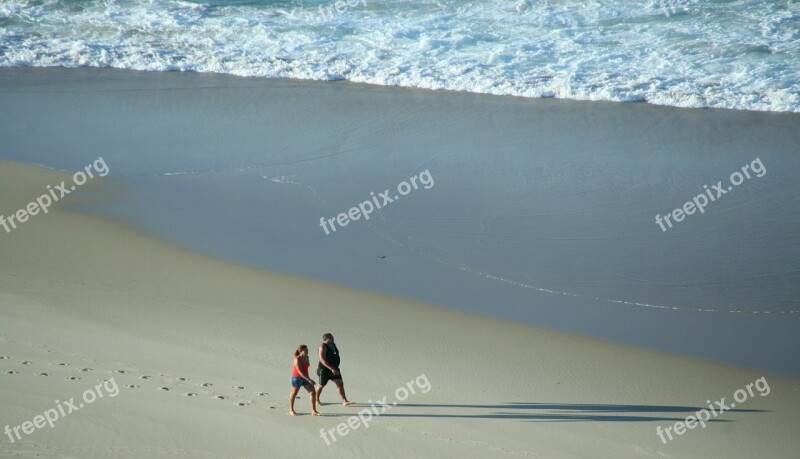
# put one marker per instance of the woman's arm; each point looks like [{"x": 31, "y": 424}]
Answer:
[{"x": 300, "y": 371}]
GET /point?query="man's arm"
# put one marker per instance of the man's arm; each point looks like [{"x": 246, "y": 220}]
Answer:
[{"x": 323, "y": 361}]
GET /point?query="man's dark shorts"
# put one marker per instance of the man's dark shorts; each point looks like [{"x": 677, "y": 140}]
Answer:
[{"x": 326, "y": 374}]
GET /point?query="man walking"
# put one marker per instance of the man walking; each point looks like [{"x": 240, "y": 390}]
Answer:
[{"x": 328, "y": 368}]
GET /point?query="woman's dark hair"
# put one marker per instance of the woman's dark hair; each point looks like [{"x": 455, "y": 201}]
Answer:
[
  {"x": 300, "y": 349},
  {"x": 326, "y": 336}
]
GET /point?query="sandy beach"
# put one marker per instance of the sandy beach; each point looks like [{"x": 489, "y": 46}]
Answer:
[
  {"x": 84, "y": 300},
  {"x": 178, "y": 280}
]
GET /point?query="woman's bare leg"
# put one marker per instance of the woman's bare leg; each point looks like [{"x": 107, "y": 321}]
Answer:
[
  {"x": 313, "y": 395},
  {"x": 291, "y": 400}
]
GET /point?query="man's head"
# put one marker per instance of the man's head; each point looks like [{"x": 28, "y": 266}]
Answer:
[{"x": 327, "y": 338}]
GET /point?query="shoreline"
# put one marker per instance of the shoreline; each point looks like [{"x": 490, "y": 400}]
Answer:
[
  {"x": 375, "y": 86},
  {"x": 542, "y": 212}
]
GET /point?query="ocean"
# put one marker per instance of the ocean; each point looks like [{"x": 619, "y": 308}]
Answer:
[
  {"x": 552, "y": 212},
  {"x": 741, "y": 54}
]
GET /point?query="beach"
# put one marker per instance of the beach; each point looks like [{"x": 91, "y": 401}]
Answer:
[
  {"x": 516, "y": 299},
  {"x": 538, "y": 211},
  {"x": 89, "y": 299}
]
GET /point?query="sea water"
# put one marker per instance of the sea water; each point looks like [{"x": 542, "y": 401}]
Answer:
[{"x": 740, "y": 54}]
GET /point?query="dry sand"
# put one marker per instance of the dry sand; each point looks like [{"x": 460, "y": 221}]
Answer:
[{"x": 83, "y": 300}]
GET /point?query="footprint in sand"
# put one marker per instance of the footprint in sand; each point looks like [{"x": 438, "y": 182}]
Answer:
[
  {"x": 164, "y": 388},
  {"x": 11, "y": 372},
  {"x": 132, "y": 386},
  {"x": 86, "y": 369},
  {"x": 206, "y": 384},
  {"x": 239, "y": 387},
  {"x": 262, "y": 394},
  {"x": 62, "y": 364},
  {"x": 121, "y": 371},
  {"x": 74, "y": 378},
  {"x": 244, "y": 403},
  {"x": 145, "y": 377},
  {"x": 2, "y": 357},
  {"x": 219, "y": 397},
  {"x": 25, "y": 362},
  {"x": 191, "y": 394},
  {"x": 43, "y": 374},
  {"x": 180, "y": 379}
]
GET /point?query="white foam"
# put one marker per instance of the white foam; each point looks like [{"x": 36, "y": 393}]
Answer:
[{"x": 738, "y": 55}]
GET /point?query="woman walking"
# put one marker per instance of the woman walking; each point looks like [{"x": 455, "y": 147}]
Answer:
[{"x": 300, "y": 379}]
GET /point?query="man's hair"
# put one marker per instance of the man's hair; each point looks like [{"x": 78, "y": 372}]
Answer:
[{"x": 326, "y": 336}]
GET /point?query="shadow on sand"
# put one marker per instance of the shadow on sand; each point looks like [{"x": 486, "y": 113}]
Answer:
[{"x": 555, "y": 412}]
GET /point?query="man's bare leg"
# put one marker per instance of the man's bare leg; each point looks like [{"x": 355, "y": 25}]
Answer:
[
  {"x": 340, "y": 387},
  {"x": 319, "y": 394}
]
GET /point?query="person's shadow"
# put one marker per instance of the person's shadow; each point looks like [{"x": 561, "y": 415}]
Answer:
[{"x": 553, "y": 412}]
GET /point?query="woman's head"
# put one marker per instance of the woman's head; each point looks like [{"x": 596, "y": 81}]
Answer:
[{"x": 301, "y": 350}]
